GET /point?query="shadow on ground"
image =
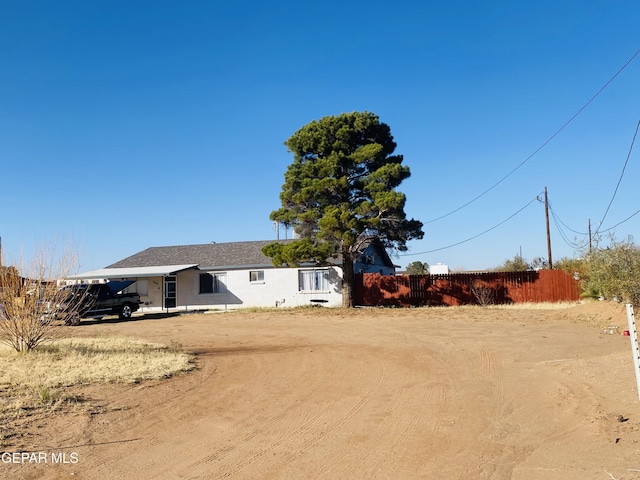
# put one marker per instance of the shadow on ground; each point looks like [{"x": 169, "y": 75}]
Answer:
[{"x": 135, "y": 318}]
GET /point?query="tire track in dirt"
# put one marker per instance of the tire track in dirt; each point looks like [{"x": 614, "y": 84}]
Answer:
[
  {"x": 383, "y": 461},
  {"x": 411, "y": 407},
  {"x": 498, "y": 429},
  {"x": 251, "y": 429},
  {"x": 154, "y": 425},
  {"x": 261, "y": 426},
  {"x": 335, "y": 428},
  {"x": 491, "y": 369},
  {"x": 171, "y": 404},
  {"x": 415, "y": 411},
  {"x": 296, "y": 442}
]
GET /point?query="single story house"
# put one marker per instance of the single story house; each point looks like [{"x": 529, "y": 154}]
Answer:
[{"x": 231, "y": 275}]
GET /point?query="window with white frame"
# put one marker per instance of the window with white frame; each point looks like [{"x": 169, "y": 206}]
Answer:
[
  {"x": 313, "y": 280},
  {"x": 256, "y": 276},
  {"x": 213, "y": 283},
  {"x": 219, "y": 283}
]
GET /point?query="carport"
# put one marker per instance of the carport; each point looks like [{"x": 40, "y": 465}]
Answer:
[{"x": 157, "y": 285}]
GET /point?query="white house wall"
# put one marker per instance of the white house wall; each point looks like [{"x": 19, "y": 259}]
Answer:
[
  {"x": 149, "y": 289},
  {"x": 153, "y": 297},
  {"x": 280, "y": 288}
]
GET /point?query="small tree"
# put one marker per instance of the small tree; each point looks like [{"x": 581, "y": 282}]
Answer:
[
  {"x": 614, "y": 272},
  {"x": 340, "y": 192},
  {"x": 517, "y": 264},
  {"x": 33, "y": 307},
  {"x": 574, "y": 266},
  {"x": 418, "y": 268}
]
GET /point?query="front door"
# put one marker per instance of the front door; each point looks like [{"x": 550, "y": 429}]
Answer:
[{"x": 170, "y": 289}]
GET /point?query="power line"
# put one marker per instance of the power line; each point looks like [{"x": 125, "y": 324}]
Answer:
[
  {"x": 620, "y": 223},
  {"x": 565, "y": 225},
  {"x": 537, "y": 197},
  {"x": 563, "y": 236},
  {"x": 579, "y": 246},
  {"x": 558, "y": 222},
  {"x": 566, "y": 124},
  {"x": 633, "y": 141}
]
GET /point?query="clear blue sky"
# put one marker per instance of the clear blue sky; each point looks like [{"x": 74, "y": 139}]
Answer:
[{"x": 125, "y": 125}]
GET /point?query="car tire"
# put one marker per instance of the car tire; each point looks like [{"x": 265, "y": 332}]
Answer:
[{"x": 125, "y": 312}]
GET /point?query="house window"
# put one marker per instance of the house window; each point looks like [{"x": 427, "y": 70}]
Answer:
[
  {"x": 313, "y": 280},
  {"x": 256, "y": 276},
  {"x": 219, "y": 283},
  {"x": 213, "y": 283},
  {"x": 206, "y": 283}
]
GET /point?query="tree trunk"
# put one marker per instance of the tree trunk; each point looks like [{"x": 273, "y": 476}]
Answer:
[{"x": 348, "y": 278}]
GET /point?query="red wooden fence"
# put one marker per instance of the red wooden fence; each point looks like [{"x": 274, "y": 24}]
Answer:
[{"x": 372, "y": 289}]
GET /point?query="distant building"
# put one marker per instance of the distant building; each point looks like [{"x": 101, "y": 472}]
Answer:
[{"x": 438, "y": 269}]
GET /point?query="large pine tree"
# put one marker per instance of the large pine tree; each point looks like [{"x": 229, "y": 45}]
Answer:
[{"x": 340, "y": 192}]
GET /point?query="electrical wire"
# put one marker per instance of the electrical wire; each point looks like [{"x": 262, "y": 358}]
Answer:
[
  {"x": 620, "y": 223},
  {"x": 537, "y": 197},
  {"x": 563, "y": 235},
  {"x": 633, "y": 141},
  {"x": 565, "y": 225},
  {"x": 566, "y": 124}
]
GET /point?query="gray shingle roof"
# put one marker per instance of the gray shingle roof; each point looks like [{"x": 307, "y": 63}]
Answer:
[
  {"x": 213, "y": 255},
  {"x": 232, "y": 254}
]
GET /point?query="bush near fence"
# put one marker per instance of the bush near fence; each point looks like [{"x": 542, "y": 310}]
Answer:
[{"x": 453, "y": 289}]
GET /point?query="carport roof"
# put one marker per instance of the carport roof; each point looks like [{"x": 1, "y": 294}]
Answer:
[{"x": 135, "y": 272}]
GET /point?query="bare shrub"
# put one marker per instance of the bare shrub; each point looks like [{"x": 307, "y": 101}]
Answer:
[
  {"x": 33, "y": 306},
  {"x": 483, "y": 294}
]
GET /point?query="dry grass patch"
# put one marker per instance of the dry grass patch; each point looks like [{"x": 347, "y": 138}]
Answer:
[
  {"x": 77, "y": 361},
  {"x": 40, "y": 382},
  {"x": 537, "y": 306},
  {"x": 467, "y": 312}
]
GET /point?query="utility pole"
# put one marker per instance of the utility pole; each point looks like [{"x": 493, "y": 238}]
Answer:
[
  {"x": 546, "y": 214},
  {"x": 589, "y": 235}
]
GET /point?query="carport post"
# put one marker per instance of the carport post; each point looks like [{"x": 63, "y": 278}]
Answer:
[{"x": 633, "y": 335}]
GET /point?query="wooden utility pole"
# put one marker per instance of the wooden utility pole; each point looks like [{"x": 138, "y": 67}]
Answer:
[
  {"x": 589, "y": 235},
  {"x": 546, "y": 214}
]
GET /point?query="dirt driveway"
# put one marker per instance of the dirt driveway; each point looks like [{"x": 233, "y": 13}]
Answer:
[{"x": 457, "y": 393}]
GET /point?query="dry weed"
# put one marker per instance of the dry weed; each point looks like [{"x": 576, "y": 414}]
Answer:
[
  {"x": 79, "y": 361},
  {"x": 38, "y": 383}
]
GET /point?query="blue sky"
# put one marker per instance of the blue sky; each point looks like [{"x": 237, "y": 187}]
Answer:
[{"x": 125, "y": 125}]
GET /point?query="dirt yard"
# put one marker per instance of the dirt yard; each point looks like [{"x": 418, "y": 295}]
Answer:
[{"x": 438, "y": 393}]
